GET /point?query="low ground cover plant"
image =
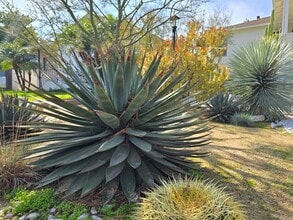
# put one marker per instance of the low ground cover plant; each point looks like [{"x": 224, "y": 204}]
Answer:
[{"x": 43, "y": 201}]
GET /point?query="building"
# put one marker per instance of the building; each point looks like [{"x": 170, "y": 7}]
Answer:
[
  {"x": 254, "y": 30},
  {"x": 244, "y": 33}
]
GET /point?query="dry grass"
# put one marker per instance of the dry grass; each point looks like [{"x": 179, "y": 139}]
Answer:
[
  {"x": 256, "y": 165},
  {"x": 14, "y": 173}
]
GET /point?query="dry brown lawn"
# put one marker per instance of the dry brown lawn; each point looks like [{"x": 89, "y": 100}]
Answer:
[{"x": 255, "y": 165}]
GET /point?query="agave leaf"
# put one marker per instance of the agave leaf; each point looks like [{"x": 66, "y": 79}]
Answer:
[
  {"x": 94, "y": 179},
  {"x": 73, "y": 156},
  {"x": 134, "y": 159},
  {"x": 169, "y": 165},
  {"x": 114, "y": 171},
  {"x": 111, "y": 143},
  {"x": 137, "y": 133},
  {"x": 141, "y": 144},
  {"x": 150, "y": 73},
  {"x": 128, "y": 181},
  {"x": 134, "y": 105},
  {"x": 146, "y": 175},
  {"x": 120, "y": 154},
  {"x": 77, "y": 184},
  {"x": 109, "y": 119},
  {"x": 64, "y": 171},
  {"x": 97, "y": 161},
  {"x": 73, "y": 142},
  {"x": 110, "y": 190},
  {"x": 118, "y": 89},
  {"x": 130, "y": 73}
]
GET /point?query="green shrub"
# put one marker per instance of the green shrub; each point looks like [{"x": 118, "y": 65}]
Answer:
[
  {"x": 26, "y": 201},
  {"x": 188, "y": 200},
  {"x": 222, "y": 107},
  {"x": 126, "y": 132},
  {"x": 14, "y": 113},
  {"x": 261, "y": 76},
  {"x": 242, "y": 119}
]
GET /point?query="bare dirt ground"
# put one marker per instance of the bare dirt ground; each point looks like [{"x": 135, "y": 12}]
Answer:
[{"x": 256, "y": 166}]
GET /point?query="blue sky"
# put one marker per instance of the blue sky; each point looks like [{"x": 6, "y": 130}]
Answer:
[{"x": 240, "y": 10}]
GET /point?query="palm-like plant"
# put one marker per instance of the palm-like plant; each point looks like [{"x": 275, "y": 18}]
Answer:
[
  {"x": 129, "y": 128},
  {"x": 262, "y": 77}
]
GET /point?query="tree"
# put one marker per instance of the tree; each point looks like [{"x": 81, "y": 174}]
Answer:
[
  {"x": 199, "y": 51},
  {"x": 132, "y": 19},
  {"x": 16, "y": 57},
  {"x": 15, "y": 32}
]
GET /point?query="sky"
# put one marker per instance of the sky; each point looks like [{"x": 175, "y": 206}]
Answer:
[{"x": 240, "y": 10}]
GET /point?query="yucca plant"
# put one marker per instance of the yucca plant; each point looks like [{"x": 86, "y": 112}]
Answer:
[
  {"x": 130, "y": 128},
  {"x": 222, "y": 107},
  {"x": 262, "y": 77},
  {"x": 13, "y": 115},
  {"x": 188, "y": 199}
]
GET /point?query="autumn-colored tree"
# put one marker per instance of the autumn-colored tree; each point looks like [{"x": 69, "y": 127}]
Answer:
[{"x": 199, "y": 51}]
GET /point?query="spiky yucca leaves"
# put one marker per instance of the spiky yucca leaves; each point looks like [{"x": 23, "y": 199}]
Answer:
[
  {"x": 188, "y": 199},
  {"x": 222, "y": 107},
  {"x": 130, "y": 128},
  {"x": 13, "y": 114},
  {"x": 262, "y": 77}
]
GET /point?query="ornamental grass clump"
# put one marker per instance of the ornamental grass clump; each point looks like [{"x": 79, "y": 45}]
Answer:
[
  {"x": 261, "y": 76},
  {"x": 130, "y": 128},
  {"x": 188, "y": 199}
]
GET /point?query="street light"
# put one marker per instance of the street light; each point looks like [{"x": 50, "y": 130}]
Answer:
[{"x": 174, "y": 18}]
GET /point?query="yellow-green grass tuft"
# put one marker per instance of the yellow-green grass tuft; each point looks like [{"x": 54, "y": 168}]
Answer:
[{"x": 188, "y": 199}]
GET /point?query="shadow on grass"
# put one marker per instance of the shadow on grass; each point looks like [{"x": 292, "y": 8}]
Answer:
[{"x": 261, "y": 178}]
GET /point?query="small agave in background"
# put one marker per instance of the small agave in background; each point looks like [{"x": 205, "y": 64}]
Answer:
[
  {"x": 130, "y": 128},
  {"x": 15, "y": 115}
]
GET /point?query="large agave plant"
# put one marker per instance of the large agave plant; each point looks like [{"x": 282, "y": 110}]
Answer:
[
  {"x": 14, "y": 115},
  {"x": 130, "y": 128},
  {"x": 262, "y": 77}
]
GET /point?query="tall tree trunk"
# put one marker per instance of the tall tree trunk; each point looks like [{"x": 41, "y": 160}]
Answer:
[
  {"x": 29, "y": 78},
  {"x": 22, "y": 74},
  {"x": 18, "y": 75},
  {"x": 39, "y": 73},
  {"x": 8, "y": 79}
]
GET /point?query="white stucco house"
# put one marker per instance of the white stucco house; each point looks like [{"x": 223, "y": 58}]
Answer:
[{"x": 254, "y": 30}]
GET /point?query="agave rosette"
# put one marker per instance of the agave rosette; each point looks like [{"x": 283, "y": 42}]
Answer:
[
  {"x": 130, "y": 128},
  {"x": 14, "y": 115}
]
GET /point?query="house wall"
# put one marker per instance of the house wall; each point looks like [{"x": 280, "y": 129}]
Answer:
[
  {"x": 15, "y": 84},
  {"x": 241, "y": 37}
]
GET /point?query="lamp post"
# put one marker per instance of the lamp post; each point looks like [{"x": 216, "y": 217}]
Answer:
[{"x": 174, "y": 18}]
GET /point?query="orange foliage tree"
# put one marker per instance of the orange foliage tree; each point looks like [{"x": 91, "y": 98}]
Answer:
[{"x": 199, "y": 52}]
